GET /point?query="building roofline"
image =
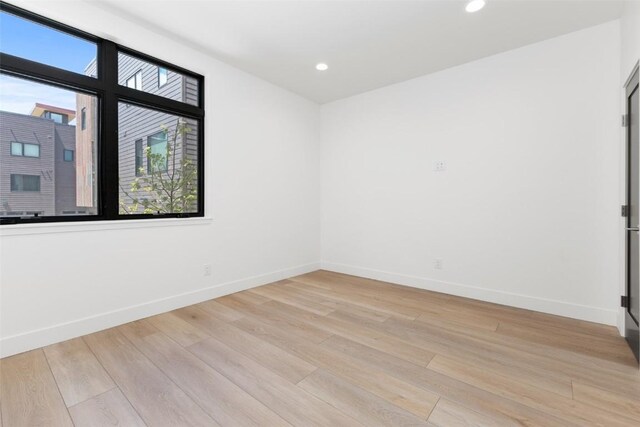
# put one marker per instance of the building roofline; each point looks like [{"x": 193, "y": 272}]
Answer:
[
  {"x": 34, "y": 117},
  {"x": 39, "y": 108}
]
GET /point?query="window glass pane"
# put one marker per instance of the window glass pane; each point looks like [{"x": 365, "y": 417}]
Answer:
[
  {"x": 170, "y": 84},
  {"x": 68, "y": 155},
  {"x": 135, "y": 81},
  {"x": 169, "y": 182},
  {"x": 26, "y": 109},
  {"x": 36, "y": 42},
  {"x": 157, "y": 154},
  {"x": 16, "y": 182},
  {"x": 56, "y": 117},
  {"x": 16, "y": 149},
  {"x": 31, "y": 150},
  {"x": 21, "y": 182},
  {"x": 30, "y": 183},
  {"x": 163, "y": 75}
]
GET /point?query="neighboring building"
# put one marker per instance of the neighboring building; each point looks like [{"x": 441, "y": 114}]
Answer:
[
  {"x": 37, "y": 162},
  {"x": 86, "y": 160}
]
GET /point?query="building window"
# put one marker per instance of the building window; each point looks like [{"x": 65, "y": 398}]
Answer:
[
  {"x": 163, "y": 130},
  {"x": 68, "y": 155},
  {"x": 24, "y": 149},
  {"x": 135, "y": 81},
  {"x": 139, "y": 158},
  {"x": 56, "y": 117},
  {"x": 25, "y": 182},
  {"x": 157, "y": 153},
  {"x": 163, "y": 75}
]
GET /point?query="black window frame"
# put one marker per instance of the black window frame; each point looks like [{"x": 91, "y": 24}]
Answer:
[{"x": 109, "y": 93}]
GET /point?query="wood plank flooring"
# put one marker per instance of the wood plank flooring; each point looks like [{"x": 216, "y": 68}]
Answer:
[{"x": 326, "y": 349}]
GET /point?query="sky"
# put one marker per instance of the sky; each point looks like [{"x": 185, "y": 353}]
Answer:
[{"x": 29, "y": 40}]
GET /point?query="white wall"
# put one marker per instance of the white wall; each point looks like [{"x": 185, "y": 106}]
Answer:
[
  {"x": 525, "y": 214},
  {"x": 630, "y": 32},
  {"x": 262, "y": 192},
  {"x": 527, "y": 211},
  {"x": 630, "y": 54}
]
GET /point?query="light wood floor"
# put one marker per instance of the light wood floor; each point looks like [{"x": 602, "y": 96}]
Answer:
[{"x": 325, "y": 349}]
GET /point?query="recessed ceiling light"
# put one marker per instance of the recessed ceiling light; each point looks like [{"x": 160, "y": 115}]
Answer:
[
  {"x": 322, "y": 67},
  {"x": 475, "y": 5}
]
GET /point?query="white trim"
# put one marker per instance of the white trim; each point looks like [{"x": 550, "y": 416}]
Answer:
[
  {"x": 70, "y": 227},
  {"x": 633, "y": 71},
  {"x": 560, "y": 308},
  {"x": 41, "y": 337}
]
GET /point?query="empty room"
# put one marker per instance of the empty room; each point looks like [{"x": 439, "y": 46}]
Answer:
[{"x": 319, "y": 213}]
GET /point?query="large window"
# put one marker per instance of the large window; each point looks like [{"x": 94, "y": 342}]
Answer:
[{"x": 128, "y": 151}]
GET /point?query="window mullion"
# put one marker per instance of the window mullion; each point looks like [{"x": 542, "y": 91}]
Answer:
[{"x": 108, "y": 146}]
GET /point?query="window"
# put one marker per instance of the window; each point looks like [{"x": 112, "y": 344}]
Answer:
[
  {"x": 67, "y": 155},
  {"x": 56, "y": 117},
  {"x": 61, "y": 190},
  {"x": 169, "y": 180},
  {"x": 139, "y": 158},
  {"x": 30, "y": 39},
  {"x": 188, "y": 92},
  {"x": 24, "y": 149},
  {"x": 163, "y": 75},
  {"x": 157, "y": 149},
  {"x": 25, "y": 182},
  {"x": 16, "y": 149},
  {"x": 135, "y": 81},
  {"x": 157, "y": 155}
]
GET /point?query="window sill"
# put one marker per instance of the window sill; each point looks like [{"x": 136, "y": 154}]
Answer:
[{"x": 73, "y": 227}]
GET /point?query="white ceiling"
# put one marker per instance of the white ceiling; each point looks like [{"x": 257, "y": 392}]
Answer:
[{"x": 367, "y": 44}]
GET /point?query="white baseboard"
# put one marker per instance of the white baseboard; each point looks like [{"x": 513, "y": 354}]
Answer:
[
  {"x": 41, "y": 337},
  {"x": 560, "y": 308}
]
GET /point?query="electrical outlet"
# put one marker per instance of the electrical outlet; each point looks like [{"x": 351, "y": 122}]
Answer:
[
  {"x": 437, "y": 263},
  {"x": 439, "y": 166},
  {"x": 207, "y": 270}
]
